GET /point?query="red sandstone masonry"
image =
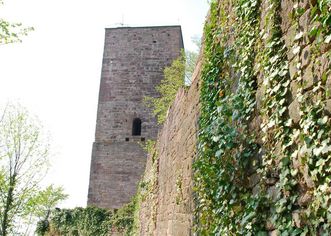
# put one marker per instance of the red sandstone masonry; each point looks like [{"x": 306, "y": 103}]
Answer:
[
  {"x": 169, "y": 211},
  {"x": 132, "y": 66},
  {"x": 177, "y": 140}
]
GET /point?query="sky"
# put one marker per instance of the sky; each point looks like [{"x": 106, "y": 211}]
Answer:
[{"x": 55, "y": 72}]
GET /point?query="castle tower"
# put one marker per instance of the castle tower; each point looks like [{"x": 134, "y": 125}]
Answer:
[{"x": 133, "y": 63}]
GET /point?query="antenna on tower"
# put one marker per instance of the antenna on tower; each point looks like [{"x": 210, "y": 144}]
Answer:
[
  {"x": 121, "y": 24},
  {"x": 122, "y": 19}
]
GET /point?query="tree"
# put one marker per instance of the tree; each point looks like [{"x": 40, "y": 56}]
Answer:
[
  {"x": 23, "y": 164},
  {"x": 173, "y": 80},
  {"x": 44, "y": 202},
  {"x": 12, "y": 32},
  {"x": 176, "y": 76},
  {"x": 191, "y": 59}
]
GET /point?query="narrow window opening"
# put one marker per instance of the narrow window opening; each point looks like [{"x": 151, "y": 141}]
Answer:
[
  {"x": 127, "y": 139},
  {"x": 142, "y": 139},
  {"x": 136, "y": 127}
]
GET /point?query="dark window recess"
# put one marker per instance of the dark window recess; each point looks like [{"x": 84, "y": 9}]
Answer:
[
  {"x": 136, "y": 127},
  {"x": 142, "y": 139},
  {"x": 127, "y": 139}
]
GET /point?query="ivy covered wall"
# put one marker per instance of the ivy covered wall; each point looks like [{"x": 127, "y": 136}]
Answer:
[{"x": 263, "y": 163}]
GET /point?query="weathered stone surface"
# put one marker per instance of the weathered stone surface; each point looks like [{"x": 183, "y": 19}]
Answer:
[
  {"x": 294, "y": 111},
  {"x": 293, "y": 69},
  {"x": 273, "y": 193},
  {"x": 328, "y": 82},
  {"x": 305, "y": 56},
  {"x": 294, "y": 89},
  {"x": 307, "y": 178},
  {"x": 274, "y": 233},
  {"x": 271, "y": 181},
  {"x": 286, "y": 11},
  {"x": 328, "y": 106},
  {"x": 256, "y": 190},
  {"x": 259, "y": 96},
  {"x": 176, "y": 148},
  {"x": 133, "y": 64},
  {"x": 269, "y": 225},
  {"x": 304, "y": 24},
  {"x": 253, "y": 180},
  {"x": 296, "y": 218},
  {"x": 305, "y": 199},
  {"x": 290, "y": 35},
  {"x": 309, "y": 79}
]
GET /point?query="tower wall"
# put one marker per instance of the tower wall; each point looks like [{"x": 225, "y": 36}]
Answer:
[{"x": 133, "y": 64}]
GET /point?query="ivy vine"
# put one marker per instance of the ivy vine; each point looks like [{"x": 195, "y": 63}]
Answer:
[{"x": 290, "y": 160}]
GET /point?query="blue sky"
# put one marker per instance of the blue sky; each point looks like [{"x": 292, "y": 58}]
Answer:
[{"x": 55, "y": 72}]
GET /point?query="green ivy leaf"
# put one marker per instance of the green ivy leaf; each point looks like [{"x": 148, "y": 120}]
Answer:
[{"x": 327, "y": 39}]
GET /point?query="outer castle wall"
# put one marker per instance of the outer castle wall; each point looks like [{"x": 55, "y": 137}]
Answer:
[{"x": 167, "y": 204}]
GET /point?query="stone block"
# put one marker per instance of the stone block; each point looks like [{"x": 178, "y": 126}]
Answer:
[
  {"x": 256, "y": 190},
  {"x": 304, "y": 25},
  {"x": 309, "y": 182},
  {"x": 293, "y": 69},
  {"x": 259, "y": 96},
  {"x": 274, "y": 233},
  {"x": 305, "y": 199},
  {"x": 290, "y": 54},
  {"x": 309, "y": 79},
  {"x": 253, "y": 180},
  {"x": 273, "y": 193},
  {"x": 290, "y": 35},
  {"x": 328, "y": 82},
  {"x": 305, "y": 56},
  {"x": 294, "y": 111},
  {"x": 296, "y": 219},
  {"x": 294, "y": 89},
  {"x": 285, "y": 13},
  {"x": 327, "y": 107}
]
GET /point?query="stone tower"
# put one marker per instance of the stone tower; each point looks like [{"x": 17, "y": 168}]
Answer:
[{"x": 133, "y": 63}]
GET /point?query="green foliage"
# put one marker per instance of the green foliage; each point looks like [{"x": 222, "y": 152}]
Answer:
[
  {"x": 321, "y": 13},
  {"x": 276, "y": 123},
  {"x": 123, "y": 219},
  {"x": 92, "y": 221},
  {"x": 224, "y": 205},
  {"x": 12, "y": 32},
  {"x": 23, "y": 164},
  {"x": 173, "y": 80},
  {"x": 236, "y": 54},
  {"x": 149, "y": 146},
  {"x": 191, "y": 59},
  {"x": 78, "y": 221},
  {"x": 47, "y": 199},
  {"x": 89, "y": 221}
]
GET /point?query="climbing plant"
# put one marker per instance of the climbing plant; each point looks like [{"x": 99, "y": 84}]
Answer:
[
  {"x": 246, "y": 130},
  {"x": 226, "y": 147},
  {"x": 89, "y": 221}
]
